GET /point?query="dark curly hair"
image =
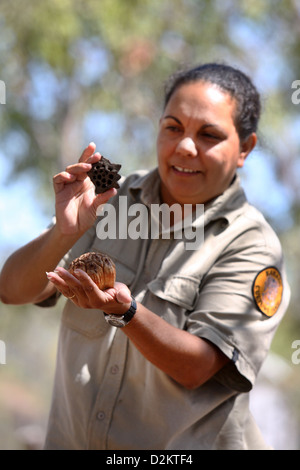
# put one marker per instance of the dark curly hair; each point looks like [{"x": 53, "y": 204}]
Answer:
[{"x": 230, "y": 80}]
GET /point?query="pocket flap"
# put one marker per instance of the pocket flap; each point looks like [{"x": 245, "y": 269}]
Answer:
[
  {"x": 180, "y": 290},
  {"x": 124, "y": 274}
]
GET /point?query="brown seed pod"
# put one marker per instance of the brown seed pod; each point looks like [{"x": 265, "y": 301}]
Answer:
[{"x": 98, "y": 266}]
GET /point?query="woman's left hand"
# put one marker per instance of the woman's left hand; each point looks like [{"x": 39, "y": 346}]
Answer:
[{"x": 85, "y": 293}]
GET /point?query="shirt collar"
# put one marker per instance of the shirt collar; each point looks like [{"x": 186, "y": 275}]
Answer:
[
  {"x": 227, "y": 205},
  {"x": 146, "y": 187}
]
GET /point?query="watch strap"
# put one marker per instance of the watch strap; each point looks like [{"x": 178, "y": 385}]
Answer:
[{"x": 125, "y": 318}]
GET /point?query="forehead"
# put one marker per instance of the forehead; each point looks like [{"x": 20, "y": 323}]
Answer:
[{"x": 201, "y": 100}]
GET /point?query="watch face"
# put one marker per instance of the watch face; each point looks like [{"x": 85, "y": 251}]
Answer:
[{"x": 115, "y": 321}]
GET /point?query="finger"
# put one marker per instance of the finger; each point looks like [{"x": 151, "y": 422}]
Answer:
[
  {"x": 78, "y": 168},
  {"x": 94, "y": 158},
  {"x": 63, "y": 177},
  {"x": 74, "y": 289},
  {"x": 88, "y": 152},
  {"x": 60, "y": 180},
  {"x": 72, "y": 173},
  {"x": 88, "y": 285},
  {"x": 60, "y": 285},
  {"x": 67, "y": 279}
]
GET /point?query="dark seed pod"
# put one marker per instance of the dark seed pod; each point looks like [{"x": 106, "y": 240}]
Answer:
[{"x": 104, "y": 175}]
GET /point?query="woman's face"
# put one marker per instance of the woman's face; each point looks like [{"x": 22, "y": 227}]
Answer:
[{"x": 198, "y": 146}]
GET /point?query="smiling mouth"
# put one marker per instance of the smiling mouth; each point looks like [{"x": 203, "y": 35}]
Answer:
[{"x": 186, "y": 170}]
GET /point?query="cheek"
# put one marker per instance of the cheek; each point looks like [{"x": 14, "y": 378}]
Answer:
[
  {"x": 216, "y": 160},
  {"x": 164, "y": 150},
  {"x": 159, "y": 146},
  {"x": 161, "y": 160},
  {"x": 159, "y": 152},
  {"x": 224, "y": 156}
]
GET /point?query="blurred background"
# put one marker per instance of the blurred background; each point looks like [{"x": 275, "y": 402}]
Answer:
[{"x": 94, "y": 70}]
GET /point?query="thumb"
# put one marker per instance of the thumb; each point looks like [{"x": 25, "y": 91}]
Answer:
[
  {"x": 102, "y": 198},
  {"x": 123, "y": 295}
]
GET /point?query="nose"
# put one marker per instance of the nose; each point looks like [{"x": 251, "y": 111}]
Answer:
[{"x": 187, "y": 147}]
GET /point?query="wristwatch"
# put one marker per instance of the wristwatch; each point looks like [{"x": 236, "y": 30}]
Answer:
[{"x": 121, "y": 320}]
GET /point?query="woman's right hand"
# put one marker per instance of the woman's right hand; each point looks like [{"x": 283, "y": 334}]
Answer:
[{"x": 76, "y": 202}]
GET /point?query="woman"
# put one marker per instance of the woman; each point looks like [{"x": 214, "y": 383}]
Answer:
[{"x": 195, "y": 325}]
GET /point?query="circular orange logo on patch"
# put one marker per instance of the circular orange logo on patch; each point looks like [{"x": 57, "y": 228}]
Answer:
[{"x": 267, "y": 290}]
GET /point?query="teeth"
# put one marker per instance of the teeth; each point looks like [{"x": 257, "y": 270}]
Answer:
[{"x": 185, "y": 170}]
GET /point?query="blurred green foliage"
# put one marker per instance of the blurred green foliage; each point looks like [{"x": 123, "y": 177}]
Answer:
[{"x": 84, "y": 70}]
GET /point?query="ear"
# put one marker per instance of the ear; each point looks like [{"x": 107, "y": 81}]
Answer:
[{"x": 246, "y": 147}]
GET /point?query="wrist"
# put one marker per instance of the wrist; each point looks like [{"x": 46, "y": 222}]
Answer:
[
  {"x": 122, "y": 309},
  {"x": 62, "y": 238},
  {"x": 122, "y": 319}
]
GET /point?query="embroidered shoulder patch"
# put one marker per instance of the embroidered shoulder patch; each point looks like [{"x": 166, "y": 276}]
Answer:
[{"x": 267, "y": 290}]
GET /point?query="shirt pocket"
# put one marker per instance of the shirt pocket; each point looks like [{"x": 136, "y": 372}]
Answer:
[
  {"x": 87, "y": 322},
  {"x": 179, "y": 289}
]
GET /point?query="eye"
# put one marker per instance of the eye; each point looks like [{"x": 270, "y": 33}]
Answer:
[
  {"x": 173, "y": 128},
  {"x": 210, "y": 136}
]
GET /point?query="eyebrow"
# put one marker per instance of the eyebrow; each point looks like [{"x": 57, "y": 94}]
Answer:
[{"x": 172, "y": 117}]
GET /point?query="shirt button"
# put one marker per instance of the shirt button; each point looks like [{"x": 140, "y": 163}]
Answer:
[
  {"x": 100, "y": 415},
  {"x": 114, "y": 369}
]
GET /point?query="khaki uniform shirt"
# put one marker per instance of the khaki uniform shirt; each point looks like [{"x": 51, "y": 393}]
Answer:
[{"x": 231, "y": 290}]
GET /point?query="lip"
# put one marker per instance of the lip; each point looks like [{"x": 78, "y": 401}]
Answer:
[{"x": 185, "y": 171}]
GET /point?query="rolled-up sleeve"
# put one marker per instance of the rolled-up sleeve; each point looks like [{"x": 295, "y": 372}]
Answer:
[{"x": 228, "y": 313}]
